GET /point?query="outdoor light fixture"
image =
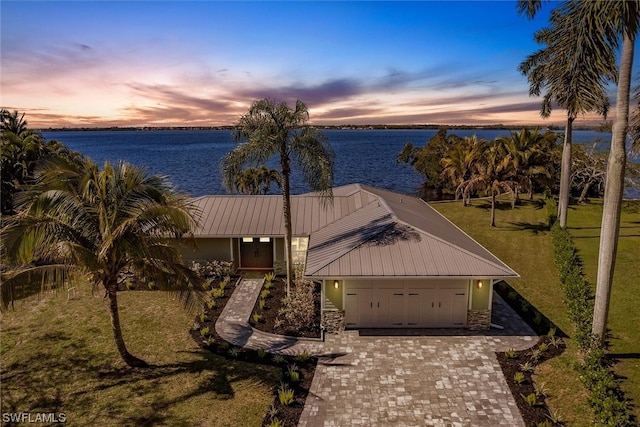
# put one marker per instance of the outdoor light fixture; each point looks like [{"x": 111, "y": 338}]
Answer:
[
  {"x": 336, "y": 284},
  {"x": 479, "y": 284},
  {"x": 265, "y": 240},
  {"x": 247, "y": 239}
]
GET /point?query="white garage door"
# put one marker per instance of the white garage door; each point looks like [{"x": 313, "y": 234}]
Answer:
[{"x": 406, "y": 304}]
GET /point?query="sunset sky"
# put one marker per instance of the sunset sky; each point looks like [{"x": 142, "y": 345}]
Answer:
[{"x": 144, "y": 63}]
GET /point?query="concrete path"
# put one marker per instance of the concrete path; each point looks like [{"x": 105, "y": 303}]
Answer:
[{"x": 425, "y": 377}]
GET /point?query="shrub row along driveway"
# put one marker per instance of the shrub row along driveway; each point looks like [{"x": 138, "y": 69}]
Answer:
[{"x": 436, "y": 379}]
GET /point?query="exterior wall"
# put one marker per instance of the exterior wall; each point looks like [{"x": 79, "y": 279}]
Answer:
[
  {"x": 332, "y": 294},
  {"x": 479, "y": 314},
  {"x": 279, "y": 263},
  {"x": 206, "y": 249}
]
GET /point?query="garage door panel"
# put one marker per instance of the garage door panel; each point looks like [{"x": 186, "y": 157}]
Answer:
[{"x": 418, "y": 305}]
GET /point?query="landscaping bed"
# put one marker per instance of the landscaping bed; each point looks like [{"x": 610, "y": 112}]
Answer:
[
  {"x": 272, "y": 318},
  {"x": 518, "y": 368},
  {"x": 296, "y": 372}
]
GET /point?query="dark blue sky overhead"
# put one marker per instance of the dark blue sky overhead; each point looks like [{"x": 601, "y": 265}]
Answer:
[{"x": 202, "y": 63}]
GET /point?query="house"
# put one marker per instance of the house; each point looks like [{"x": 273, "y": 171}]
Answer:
[{"x": 387, "y": 260}]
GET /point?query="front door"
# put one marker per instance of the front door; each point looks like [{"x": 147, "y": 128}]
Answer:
[{"x": 256, "y": 254}]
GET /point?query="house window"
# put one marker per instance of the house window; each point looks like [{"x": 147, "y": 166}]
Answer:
[{"x": 299, "y": 249}]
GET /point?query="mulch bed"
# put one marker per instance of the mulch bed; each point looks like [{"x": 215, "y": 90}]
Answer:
[
  {"x": 274, "y": 304},
  {"x": 551, "y": 338},
  {"x": 533, "y": 414},
  {"x": 288, "y": 415}
]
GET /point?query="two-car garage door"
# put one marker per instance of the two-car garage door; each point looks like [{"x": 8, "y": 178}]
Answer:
[{"x": 406, "y": 304}]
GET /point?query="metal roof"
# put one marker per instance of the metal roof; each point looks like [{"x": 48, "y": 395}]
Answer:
[{"x": 364, "y": 232}]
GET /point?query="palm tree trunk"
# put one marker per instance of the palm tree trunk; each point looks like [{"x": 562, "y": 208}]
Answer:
[
  {"x": 286, "y": 207},
  {"x": 565, "y": 174},
  {"x": 493, "y": 208},
  {"x": 610, "y": 228},
  {"x": 128, "y": 358}
]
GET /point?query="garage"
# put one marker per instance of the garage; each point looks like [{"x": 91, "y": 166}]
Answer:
[{"x": 406, "y": 303}]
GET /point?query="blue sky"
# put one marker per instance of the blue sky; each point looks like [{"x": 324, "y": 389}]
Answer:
[{"x": 146, "y": 63}]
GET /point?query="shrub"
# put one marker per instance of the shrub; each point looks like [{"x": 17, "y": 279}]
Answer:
[
  {"x": 510, "y": 354},
  {"x": 257, "y": 317},
  {"x": 234, "y": 351},
  {"x": 261, "y": 353},
  {"x": 275, "y": 422},
  {"x": 264, "y": 294},
  {"x": 278, "y": 359},
  {"x": 211, "y": 304},
  {"x": 551, "y": 209},
  {"x": 518, "y": 377},
  {"x": 541, "y": 389},
  {"x": 269, "y": 277},
  {"x": 526, "y": 367},
  {"x": 292, "y": 372},
  {"x": 204, "y": 331},
  {"x": 217, "y": 293},
  {"x": 303, "y": 357},
  {"x": 285, "y": 394},
  {"x": 261, "y": 304},
  {"x": 204, "y": 318},
  {"x": 530, "y": 399},
  {"x": 299, "y": 306},
  {"x": 215, "y": 268}
]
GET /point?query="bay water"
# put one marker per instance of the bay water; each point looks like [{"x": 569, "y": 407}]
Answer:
[{"x": 191, "y": 159}]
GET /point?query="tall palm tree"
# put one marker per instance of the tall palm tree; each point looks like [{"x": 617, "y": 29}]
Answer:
[
  {"x": 600, "y": 27},
  {"x": 490, "y": 174},
  {"x": 572, "y": 76},
  {"x": 110, "y": 224},
  {"x": 274, "y": 129}
]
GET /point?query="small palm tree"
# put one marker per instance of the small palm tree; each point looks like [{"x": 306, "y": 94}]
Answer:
[
  {"x": 458, "y": 163},
  {"x": 274, "y": 129},
  {"x": 257, "y": 180},
  {"x": 109, "y": 224},
  {"x": 490, "y": 174}
]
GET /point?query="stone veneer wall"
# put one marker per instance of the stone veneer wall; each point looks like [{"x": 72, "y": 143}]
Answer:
[
  {"x": 478, "y": 320},
  {"x": 333, "y": 321}
]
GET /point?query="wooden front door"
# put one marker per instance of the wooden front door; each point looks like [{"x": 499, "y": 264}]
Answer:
[{"x": 256, "y": 254}]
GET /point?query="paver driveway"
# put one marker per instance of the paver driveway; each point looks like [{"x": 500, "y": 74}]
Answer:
[{"x": 428, "y": 378}]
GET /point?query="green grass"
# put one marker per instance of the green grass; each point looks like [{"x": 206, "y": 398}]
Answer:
[
  {"x": 521, "y": 240},
  {"x": 59, "y": 356}
]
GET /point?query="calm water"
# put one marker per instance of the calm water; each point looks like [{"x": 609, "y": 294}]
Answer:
[{"x": 191, "y": 159}]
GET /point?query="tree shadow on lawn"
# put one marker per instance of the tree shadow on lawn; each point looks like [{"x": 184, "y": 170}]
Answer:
[
  {"x": 537, "y": 228},
  {"x": 77, "y": 378}
]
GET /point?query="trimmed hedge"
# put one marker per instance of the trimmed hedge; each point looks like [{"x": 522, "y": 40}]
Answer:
[{"x": 605, "y": 397}]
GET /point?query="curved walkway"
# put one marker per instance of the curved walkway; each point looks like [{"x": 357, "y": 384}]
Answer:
[{"x": 423, "y": 378}]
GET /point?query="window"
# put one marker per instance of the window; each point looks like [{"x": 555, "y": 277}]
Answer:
[
  {"x": 247, "y": 240},
  {"x": 299, "y": 249},
  {"x": 265, "y": 239}
]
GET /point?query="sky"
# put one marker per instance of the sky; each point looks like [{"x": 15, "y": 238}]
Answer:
[{"x": 202, "y": 63}]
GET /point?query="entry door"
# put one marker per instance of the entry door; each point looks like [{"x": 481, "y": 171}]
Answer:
[{"x": 256, "y": 254}]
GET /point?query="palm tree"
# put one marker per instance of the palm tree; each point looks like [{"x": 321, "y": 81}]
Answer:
[
  {"x": 457, "y": 164},
  {"x": 571, "y": 76},
  {"x": 21, "y": 150},
  {"x": 598, "y": 27},
  {"x": 110, "y": 224},
  {"x": 256, "y": 180},
  {"x": 529, "y": 154},
  {"x": 490, "y": 174},
  {"x": 275, "y": 129}
]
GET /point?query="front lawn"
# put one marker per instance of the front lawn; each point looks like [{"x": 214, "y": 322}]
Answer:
[
  {"x": 522, "y": 241},
  {"x": 59, "y": 356}
]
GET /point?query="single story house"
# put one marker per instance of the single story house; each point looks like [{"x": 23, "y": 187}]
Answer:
[{"x": 387, "y": 260}]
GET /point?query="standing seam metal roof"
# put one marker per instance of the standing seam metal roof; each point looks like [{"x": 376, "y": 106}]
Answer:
[{"x": 365, "y": 232}]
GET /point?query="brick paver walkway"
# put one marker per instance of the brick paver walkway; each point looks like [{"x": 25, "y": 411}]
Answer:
[{"x": 422, "y": 378}]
